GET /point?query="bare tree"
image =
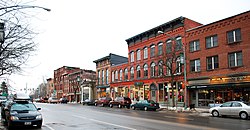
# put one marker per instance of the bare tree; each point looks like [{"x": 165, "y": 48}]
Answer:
[{"x": 18, "y": 44}]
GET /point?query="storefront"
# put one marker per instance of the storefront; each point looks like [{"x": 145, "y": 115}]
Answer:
[{"x": 103, "y": 91}]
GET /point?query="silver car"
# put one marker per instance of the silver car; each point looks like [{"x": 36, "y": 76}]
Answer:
[{"x": 232, "y": 108}]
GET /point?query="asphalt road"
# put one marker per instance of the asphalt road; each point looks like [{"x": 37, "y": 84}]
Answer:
[{"x": 79, "y": 117}]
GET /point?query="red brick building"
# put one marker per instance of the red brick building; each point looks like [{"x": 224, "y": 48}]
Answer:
[
  {"x": 144, "y": 76},
  {"x": 218, "y": 64}
]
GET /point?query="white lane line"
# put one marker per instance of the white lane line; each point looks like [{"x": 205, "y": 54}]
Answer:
[
  {"x": 49, "y": 127},
  {"x": 129, "y": 128},
  {"x": 181, "y": 118}
]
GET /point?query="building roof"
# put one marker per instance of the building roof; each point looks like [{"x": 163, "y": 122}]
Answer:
[{"x": 113, "y": 58}]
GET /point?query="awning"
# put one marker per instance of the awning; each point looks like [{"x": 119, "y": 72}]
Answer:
[{"x": 102, "y": 86}]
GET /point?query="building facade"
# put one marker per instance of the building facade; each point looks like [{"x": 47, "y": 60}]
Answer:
[
  {"x": 218, "y": 65},
  {"x": 103, "y": 73},
  {"x": 147, "y": 75},
  {"x": 51, "y": 91}
]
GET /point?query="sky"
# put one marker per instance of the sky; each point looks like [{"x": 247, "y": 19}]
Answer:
[{"x": 77, "y": 32}]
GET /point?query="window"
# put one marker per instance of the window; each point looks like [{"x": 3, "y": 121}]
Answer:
[
  {"x": 168, "y": 67},
  {"x": 145, "y": 54},
  {"x": 102, "y": 76},
  {"x": 234, "y": 36},
  {"x": 152, "y": 51},
  {"x": 169, "y": 46},
  {"x": 132, "y": 56},
  {"x": 212, "y": 62},
  {"x": 120, "y": 75},
  {"x": 126, "y": 74},
  {"x": 160, "y": 48},
  {"x": 113, "y": 76},
  {"x": 107, "y": 76},
  {"x": 116, "y": 75},
  {"x": 178, "y": 44},
  {"x": 160, "y": 68},
  {"x": 235, "y": 59},
  {"x": 195, "y": 65},
  {"x": 138, "y": 72},
  {"x": 138, "y": 55},
  {"x": 194, "y": 46},
  {"x": 178, "y": 66},
  {"x": 152, "y": 69},
  {"x": 99, "y": 77},
  {"x": 211, "y": 41},
  {"x": 132, "y": 73},
  {"x": 145, "y": 68}
]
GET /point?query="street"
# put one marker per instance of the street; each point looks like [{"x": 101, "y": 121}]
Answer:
[{"x": 79, "y": 117}]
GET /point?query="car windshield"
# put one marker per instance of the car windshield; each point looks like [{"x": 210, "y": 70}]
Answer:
[{"x": 23, "y": 107}]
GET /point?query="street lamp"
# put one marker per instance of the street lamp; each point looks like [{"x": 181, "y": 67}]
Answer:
[
  {"x": 183, "y": 61},
  {"x": 78, "y": 79}
]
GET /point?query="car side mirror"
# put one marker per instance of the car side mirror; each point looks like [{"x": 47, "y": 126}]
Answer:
[{"x": 39, "y": 109}]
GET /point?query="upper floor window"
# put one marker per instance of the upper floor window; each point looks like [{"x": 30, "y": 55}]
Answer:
[
  {"x": 138, "y": 72},
  {"x": 99, "y": 77},
  {"x": 211, "y": 41},
  {"x": 195, "y": 65},
  {"x": 113, "y": 76},
  {"x": 168, "y": 67},
  {"x": 152, "y": 70},
  {"x": 132, "y": 71},
  {"x": 169, "y": 46},
  {"x": 152, "y": 51},
  {"x": 194, "y": 45},
  {"x": 178, "y": 44},
  {"x": 132, "y": 57},
  {"x": 102, "y": 76},
  {"x": 138, "y": 55},
  {"x": 234, "y": 36},
  {"x": 116, "y": 75},
  {"x": 212, "y": 62},
  {"x": 235, "y": 59},
  {"x": 178, "y": 66},
  {"x": 160, "y": 48},
  {"x": 107, "y": 76},
  {"x": 120, "y": 75},
  {"x": 126, "y": 74},
  {"x": 145, "y": 53},
  {"x": 145, "y": 69},
  {"x": 160, "y": 68}
]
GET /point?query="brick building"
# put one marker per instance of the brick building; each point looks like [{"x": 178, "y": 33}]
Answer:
[
  {"x": 218, "y": 65},
  {"x": 50, "y": 87}
]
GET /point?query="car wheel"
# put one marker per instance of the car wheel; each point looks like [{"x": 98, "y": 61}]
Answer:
[
  {"x": 83, "y": 104},
  {"x": 145, "y": 108},
  {"x": 215, "y": 113},
  {"x": 128, "y": 106},
  {"x": 120, "y": 106},
  {"x": 95, "y": 104},
  {"x": 110, "y": 105},
  {"x": 243, "y": 115},
  {"x": 133, "y": 107}
]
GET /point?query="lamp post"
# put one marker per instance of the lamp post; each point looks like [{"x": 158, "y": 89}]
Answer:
[
  {"x": 78, "y": 79},
  {"x": 183, "y": 61}
]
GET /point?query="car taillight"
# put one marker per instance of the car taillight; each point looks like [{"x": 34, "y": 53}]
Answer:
[{"x": 151, "y": 104}]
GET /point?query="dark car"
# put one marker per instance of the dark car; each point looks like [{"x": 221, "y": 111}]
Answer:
[
  {"x": 63, "y": 100},
  {"x": 89, "y": 102},
  {"x": 120, "y": 102},
  {"x": 21, "y": 112},
  {"x": 104, "y": 101},
  {"x": 146, "y": 105}
]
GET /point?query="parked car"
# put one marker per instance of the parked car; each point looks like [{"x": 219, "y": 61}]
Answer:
[
  {"x": 231, "y": 108},
  {"x": 53, "y": 100},
  {"x": 145, "y": 105},
  {"x": 89, "y": 102},
  {"x": 104, "y": 101},
  {"x": 2, "y": 99},
  {"x": 120, "y": 102},
  {"x": 45, "y": 100},
  {"x": 63, "y": 100},
  {"x": 21, "y": 112}
]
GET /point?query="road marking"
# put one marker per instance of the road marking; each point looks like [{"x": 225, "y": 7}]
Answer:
[
  {"x": 181, "y": 118},
  {"x": 49, "y": 127},
  {"x": 129, "y": 128}
]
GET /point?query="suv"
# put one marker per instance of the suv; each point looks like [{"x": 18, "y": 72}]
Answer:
[
  {"x": 21, "y": 112},
  {"x": 120, "y": 102},
  {"x": 104, "y": 101}
]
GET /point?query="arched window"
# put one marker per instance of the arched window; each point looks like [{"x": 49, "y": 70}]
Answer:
[
  {"x": 116, "y": 75},
  {"x": 113, "y": 76},
  {"x": 138, "y": 72},
  {"x": 132, "y": 58},
  {"x": 152, "y": 69},
  {"x": 138, "y": 55},
  {"x": 121, "y": 75},
  {"x": 178, "y": 44},
  {"x": 132, "y": 73},
  {"x": 145, "y": 53},
  {"x": 178, "y": 66},
  {"x": 168, "y": 67},
  {"x": 160, "y": 68},
  {"x": 169, "y": 46},
  {"x": 160, "y": 48},
  {"x": 126, "y": 74},
  {"x": 145, "y": 69},
  {"x": 152, "y": 51}
]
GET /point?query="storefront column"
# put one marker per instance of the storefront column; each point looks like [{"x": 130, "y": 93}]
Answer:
[{"x": 196, "y": 98}]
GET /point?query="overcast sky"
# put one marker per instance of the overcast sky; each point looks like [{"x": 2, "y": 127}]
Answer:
[{"x": 77, "y": 32}]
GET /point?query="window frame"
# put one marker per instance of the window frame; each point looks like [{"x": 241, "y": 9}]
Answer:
[
  {"x": 236, "y": 60},
  {"x": 138, "y": 55},
  {"x": 145, "y": 53},
  {"x": 160, "y": 48},
  {"x": 132, "y": 56},
  {"x": 213, "y": 41},
  {"x": 196, "y": 65},
  {"x": 152, "y": 51},
  {"x": 194, "y": 45},
  {"x": 214, "y": 61},
  {"x": 234, "y": 36}
]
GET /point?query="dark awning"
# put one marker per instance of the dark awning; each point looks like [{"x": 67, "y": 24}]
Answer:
[{"x": 102, "y": 86}]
